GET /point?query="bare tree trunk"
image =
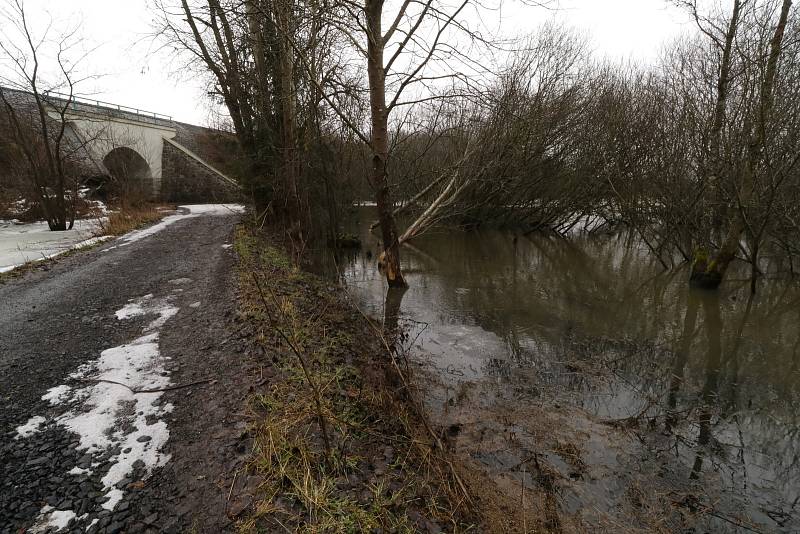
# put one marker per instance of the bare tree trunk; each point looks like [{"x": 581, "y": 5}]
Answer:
[
  {"x": 424, "y": 220},
  {"x": 391, "y": 314},
  {"x": 288, "y": 117},
  {"x": 379, "y": 143},
  {"x": 723, "y": 83}
]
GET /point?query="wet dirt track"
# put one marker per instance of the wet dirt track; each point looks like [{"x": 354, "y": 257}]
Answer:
[{"x": 62, "y": 469}]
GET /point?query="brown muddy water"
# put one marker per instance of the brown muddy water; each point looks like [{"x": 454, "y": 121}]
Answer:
[{"x": 580, "y": 370}]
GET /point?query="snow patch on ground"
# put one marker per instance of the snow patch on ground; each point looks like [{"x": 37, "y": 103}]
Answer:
[
  {"x": 214, "y": 209},
  {"x": 121, "y": 409},
  {"x": 147, "y": 305},
  {"x": 57, "y": 395},
  {"x": 137, "y": 235},
  {"x": 134, "y": 308},
  {"x": 24, "y": 243},
  {"x": 132, "y": 364},
  {"x": 98, "y": 205},
  {"x": 31, "y": 427},
  {"x": 91, "y": 241},
  {"x": 227, "y": 246},
  {"x": 78, "y": 471},
  {"x": 52, "y": 519}
]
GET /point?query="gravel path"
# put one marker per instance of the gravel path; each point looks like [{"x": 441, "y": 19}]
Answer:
[{"x": 101, "y": 429}]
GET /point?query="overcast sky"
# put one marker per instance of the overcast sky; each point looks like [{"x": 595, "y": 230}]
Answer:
[{"x": 136, "y": 76}]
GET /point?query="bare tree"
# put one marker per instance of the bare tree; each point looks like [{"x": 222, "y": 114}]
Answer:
[
  {"x": 709, "y": 267},
  {"x": 408, "y": 63},
  {"x": 266, "y": 60},
  {"x": 38, "y": 125}
]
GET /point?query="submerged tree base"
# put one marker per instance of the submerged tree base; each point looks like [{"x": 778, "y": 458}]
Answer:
[{"x": 705, "y": 279}]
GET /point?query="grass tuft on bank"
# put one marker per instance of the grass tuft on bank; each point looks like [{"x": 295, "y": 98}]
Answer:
[{"x": 382, "y": 471}]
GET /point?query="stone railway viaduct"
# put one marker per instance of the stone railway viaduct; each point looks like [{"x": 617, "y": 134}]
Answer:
[{"x": 162, "y": 154}]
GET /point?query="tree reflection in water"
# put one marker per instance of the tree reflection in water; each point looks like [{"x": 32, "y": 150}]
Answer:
[{"x": 707, "y": 385}]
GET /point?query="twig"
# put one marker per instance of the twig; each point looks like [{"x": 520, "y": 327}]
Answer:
[
  {"x": 230, "y": 491},
  {"x": 705, "y": 508},
  {"x": 156, "y": 390},
  {"x": 315, "y": 389},
  {"x": 524, "y": 522}
]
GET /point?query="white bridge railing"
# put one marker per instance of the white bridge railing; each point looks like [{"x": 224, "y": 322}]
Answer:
[{"x": 78, "y": 103}]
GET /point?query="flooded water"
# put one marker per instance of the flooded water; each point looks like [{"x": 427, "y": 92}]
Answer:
[{"x": 581, "y": 368}]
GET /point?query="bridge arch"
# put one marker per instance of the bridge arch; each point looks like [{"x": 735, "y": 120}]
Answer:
[{"x": 129, "y": 171}]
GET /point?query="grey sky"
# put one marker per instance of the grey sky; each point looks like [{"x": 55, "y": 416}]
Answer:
[{"x": 136, "y": 76}]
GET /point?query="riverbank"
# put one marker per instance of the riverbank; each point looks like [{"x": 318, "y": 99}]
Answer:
[
  {"x": 338, "y": 440},
  {"x": 560, "y": 407}
]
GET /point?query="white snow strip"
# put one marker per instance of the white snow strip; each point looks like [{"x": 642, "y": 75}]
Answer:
[
  {"x": 52, "y": 519},
  {"x": 91, "y": 241},
  {"x": 195, "y": 304},
  {"x": 31, "y": 427},
  {"x": 214, "y": 209},
  {"x": 227, "y": 246},
  {"x": 137, "y": 235},
  {"x": 57, "y": 395}
]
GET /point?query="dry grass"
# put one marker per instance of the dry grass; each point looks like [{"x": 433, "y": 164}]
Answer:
[
  {"x": 128, "y": 219},
  {"x": 383, "y": 471}
]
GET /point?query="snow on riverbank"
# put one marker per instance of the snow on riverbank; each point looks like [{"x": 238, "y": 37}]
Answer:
[{"x": 23, "y": 243}]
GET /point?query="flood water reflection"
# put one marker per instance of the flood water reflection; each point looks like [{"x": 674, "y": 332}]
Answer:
[{"x": 650, "y": 406}]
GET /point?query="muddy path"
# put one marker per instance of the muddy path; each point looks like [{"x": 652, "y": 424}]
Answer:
[{"x": 122, "y": 381}]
